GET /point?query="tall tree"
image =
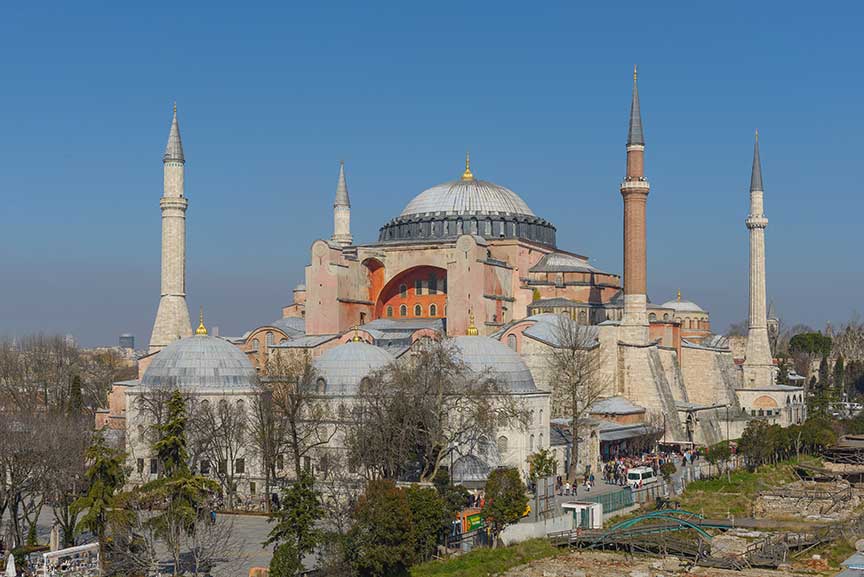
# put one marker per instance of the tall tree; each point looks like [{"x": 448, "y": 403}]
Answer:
[
  {"x": 221, "y": 438},
  {"x": 506, "y": 500},
  {"x": 295, "y": 533},
  {"x": 381, "y": 540},
  {"x": 105, "y": 476},
  {"x": 578, "y": 379}
]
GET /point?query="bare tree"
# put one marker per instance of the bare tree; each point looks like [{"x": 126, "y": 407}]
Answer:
[
  {"x": 412, "y": 415},
  {"x": 220, "y": 432},
  {"x": 292, "y": 415},
  {"x": 212, "y": 543},
  {"x": 577, "y": 377}
]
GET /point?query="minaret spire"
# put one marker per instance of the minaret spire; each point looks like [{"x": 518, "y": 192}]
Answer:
[
  {"x": 342, "y": 210},
  {"x": 758, "y": 364},
  {"x": 172, "y": 317},
  {"x": 634, "y": 191}
]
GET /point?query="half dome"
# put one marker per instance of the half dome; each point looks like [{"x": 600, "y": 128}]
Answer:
[{"x": 200, "y": 362}]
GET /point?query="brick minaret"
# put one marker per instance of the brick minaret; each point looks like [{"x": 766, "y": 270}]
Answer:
[
  {"x": 342, "y": 211},
  {"x": 634, "y": 190},
  {"x": 758, "y": 364},
  {"x": 172, "y": 318}
]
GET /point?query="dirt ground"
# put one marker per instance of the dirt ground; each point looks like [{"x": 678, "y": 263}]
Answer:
[{"x": 600, "y": 564}]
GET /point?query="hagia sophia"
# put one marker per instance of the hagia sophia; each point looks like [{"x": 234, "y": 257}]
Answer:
[{"x": 469, "y": 260}]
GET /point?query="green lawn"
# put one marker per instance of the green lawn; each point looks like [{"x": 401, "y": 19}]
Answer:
[{"x": 485, "y": 562}]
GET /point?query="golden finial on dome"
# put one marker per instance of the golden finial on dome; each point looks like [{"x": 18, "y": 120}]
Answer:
[
  {"x": 201, "y": 330},
  {"x": 467, "y": 175},
  {"x": 471, "y": 331},
  {"x": 356, "y": 338},
  {"x": 679, "y": 295}
]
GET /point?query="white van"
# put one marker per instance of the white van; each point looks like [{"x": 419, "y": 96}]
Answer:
[{"x": 640, "y": 476}]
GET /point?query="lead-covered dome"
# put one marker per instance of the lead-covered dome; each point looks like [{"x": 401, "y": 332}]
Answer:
[
  {"x": 467, "y": 197},
  {"x": 488, "y": 356},
  {"x": 467, "y": 206},
  {"x": 200, "y": 362},
  {"x": 342, "y": 368}
]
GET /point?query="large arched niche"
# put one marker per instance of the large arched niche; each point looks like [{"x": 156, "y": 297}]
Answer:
[
  {"x": 403, "y": 297},
  {"x": 375, "y": 273}
]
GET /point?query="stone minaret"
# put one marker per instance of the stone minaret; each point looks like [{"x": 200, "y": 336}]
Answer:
[
  {"x": 172, "y": 318},
  {"x": 635, "y": 189},
  {"x": 758, "y": 364},
  {"x": 342, "y": 211}
]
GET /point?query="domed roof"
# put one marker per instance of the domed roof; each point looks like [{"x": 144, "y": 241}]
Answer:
[
  {"x": 683, "y": 306},
  {"x": 467, "y": 196},
  {"x": 484, "y": 355},
  {"x": 343, "y": 367},
  {"x": 200, "y": 362}
]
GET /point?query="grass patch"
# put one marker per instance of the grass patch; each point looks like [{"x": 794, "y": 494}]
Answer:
[
  {"x": 835, "y": 552},
  {"x": 485, "y": 562},
  {"x": 718, "y": 497}
]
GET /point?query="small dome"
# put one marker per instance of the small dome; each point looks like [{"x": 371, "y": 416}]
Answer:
[
  {"x": 683, "y": 306},
  {"x": 300, "y": 287},
  {"x": 467, "y": 197},
  {"x": 200, "y": 362},
  {"x": 486, "y": 355},
  {"x": 343, "y": 367}
]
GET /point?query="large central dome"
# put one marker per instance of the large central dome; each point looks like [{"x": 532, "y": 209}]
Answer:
[
  {"x": 467, "y": 206},
  {"x": 467, "y": 197}
]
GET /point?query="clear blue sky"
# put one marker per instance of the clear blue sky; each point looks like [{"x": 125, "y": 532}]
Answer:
[{"x": 271, "y": 96}]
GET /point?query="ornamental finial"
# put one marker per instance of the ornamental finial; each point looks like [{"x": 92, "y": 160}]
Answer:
[
  {"x": 679, "y": 295},
  {"x": 467, "y": 175},
  {"x": 175, "y": 107},
  {"x": 472, "y": 330},
  {"x": 757, "y": 135},
  {"x": 635, "y": 72},
  {"x": 356, "y": 338},
  {"x": 201, "y": 330}
]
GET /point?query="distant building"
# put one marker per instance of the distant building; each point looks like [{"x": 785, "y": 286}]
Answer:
[{"x": 127, "y": 341}]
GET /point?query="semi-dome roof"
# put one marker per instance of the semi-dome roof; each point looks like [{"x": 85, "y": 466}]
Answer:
[
  {"x": 200, "y": 362},
  {"x": 467, "y": 196},
  {"x": 343, "y": 367},
  {"x": 484, "y": 355}
]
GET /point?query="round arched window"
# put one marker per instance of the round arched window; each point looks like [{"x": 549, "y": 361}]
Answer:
[
  {"x": 433, "y": 310},
  {"x": 403, "y": 291},
  {"x": 269, "y": 339},
  {"x": 502, "y": 444},
  {"x": 255, "y": 345},
  {"x": 418, "y": 311},
  {"x": 403, "y": 311},
  {"x": 322, "y": 386},
  {"x": 389, "y": 311}
]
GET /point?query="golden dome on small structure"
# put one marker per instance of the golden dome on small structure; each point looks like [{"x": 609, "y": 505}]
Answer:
[{"x": 356, "y": 338}]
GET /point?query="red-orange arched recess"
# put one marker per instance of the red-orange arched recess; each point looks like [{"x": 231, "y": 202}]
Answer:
[
  {"x": 376, "y": 277},
  {"x": 419, "y": 292}
]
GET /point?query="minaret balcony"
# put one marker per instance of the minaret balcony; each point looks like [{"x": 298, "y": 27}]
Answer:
[
  {"x": 757, "y": 221},
  {"x": 638, "y": 184}
]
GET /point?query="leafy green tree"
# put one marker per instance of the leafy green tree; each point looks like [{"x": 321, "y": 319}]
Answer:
[
  {"x": 381, "y": 541},
  {"x": 430, "y": 517},
  {"x": 180, "y": 494},
  {"x": 840, "y": 375},
  {"x": 105, "y": 477},
  {"x": 295, "y": 532},
  {"x": 719, "y": 454},
  {"x": 813, "y": 343},
  {"x": 455, "y": 496},
  {"x": 506, "y": 500},
  {"x": 542, "y": 464}
]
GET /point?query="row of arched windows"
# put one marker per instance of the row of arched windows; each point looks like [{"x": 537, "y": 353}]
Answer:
[{"x": 418, "y": 310}]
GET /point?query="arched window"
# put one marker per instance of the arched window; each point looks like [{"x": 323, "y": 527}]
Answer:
[
  {"x": 283, "y": 341},
  {"x": 541, "y": 441},
  {"x": 403, "y": 311},
  {"x": 389, "y": 311},
  {"x": 403, "y": 291},
  {"x": 241, "y": 406},
  {"x": 666, "y": 316},
  {"x": 433, "y": 310},
  {"x": 583, "y": 318},
  {"x": 223, "y": 405},
  {"x": 255, "y": 345},
  {"x": 511, "y": 341},
  {"x": 269, "y": 339},
  {"x": 502, "y": 444},
  {"x": 531, "y": 444},
  {"x": 322, "y": 386},
  {"x": 418, "y": 287},
  {"x": 531, "y": 418},
  {"x": 418, "y": 311},
  {"x": 541, "y": 418},
  {"x": 652, "y": 317}
]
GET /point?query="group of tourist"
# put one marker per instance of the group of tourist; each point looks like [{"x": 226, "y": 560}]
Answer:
[{"x": 615, "y": 470}]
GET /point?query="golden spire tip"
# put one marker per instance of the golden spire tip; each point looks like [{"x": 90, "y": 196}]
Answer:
[
  {"x": 679, "y": 295},
  {"x": 467, "y": 175},
  {"x": 757, "y": 134},
  {"x": 635, "y": 72},
  {"x": 201, "y": 330},
  {"x": 472, "y": 330}
]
